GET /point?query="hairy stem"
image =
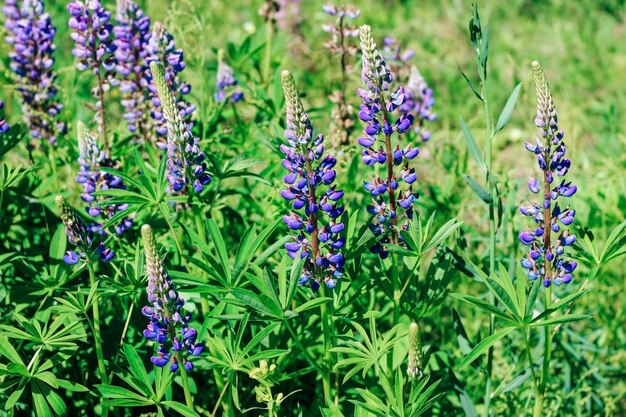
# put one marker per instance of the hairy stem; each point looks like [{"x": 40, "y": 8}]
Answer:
[{"x": 96, "y": 334}]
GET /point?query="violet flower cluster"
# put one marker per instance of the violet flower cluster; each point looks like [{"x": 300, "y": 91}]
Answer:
[
  {"x": 162, "y": 48},
  {"x": 340, "y": 31},
  {"x": 390, "y": 202},
  {"x": 340, "y": 44},
  {"x": 546, "y": 258},
  {"x": 81, "y": 236},
  {"x": 289, "y": 16},
  {"x": 397, "y": 58},
  {"x": 94, "y": 50},
  {"x": 90, "y": 176},
  {"x": 4, "y": 126},
  {"x": 419, "y": 97},
  {"x": 226, "y": 84},
  {"x": 132, "y": 35},
  {"x": 31, "y": 36},
  {"x": 185, "y": 160},
  {"x": 419, "y": 102},
  {"x": 168, "y": 326},
  {"x": 310, "y": 189}
]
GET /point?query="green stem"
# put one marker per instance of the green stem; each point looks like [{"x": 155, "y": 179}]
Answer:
[
  {"x": 267, "y": 60},
  {"x": 492, "y": 234},
  {"x": 327, "y": 346},
  {"x": 96, "y": 333},
  {"x": 308, "y": 356},
  {"x": 545, "y": 372},
  {"x": 537, "y": 411},
  {"x": 183, "y": 376},
  {"x": 219, "y": 400},
  {"x": 122, "y": 337},
  {"x": 176, "y": 240}
]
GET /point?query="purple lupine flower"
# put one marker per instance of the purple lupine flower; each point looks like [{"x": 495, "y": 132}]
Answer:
[
  {"x": 185, "y": 161},
  {"x": 4, "y": 126},
  {"x": 397, "y": 58},
  {"x": 390, "y": 202},
  {"x": 132, "y": 36},
  {"x": 419, "y": 102},
  {"x": 546, "y": 257},
  {"x": 168, "y": 326},
  {"x": 81, "y": 236},
  {"x": 162, "y": 48},
  {"x": 289, "y": 16},
  {"x": 90, "y": 176},
  {"x": 226, "y": 84},
  {"x": 341, "y": 45},
  {"x": 315, "y": 200},
  {"x": 94, "y": 50},
  {"x": 31, "y": 36}
]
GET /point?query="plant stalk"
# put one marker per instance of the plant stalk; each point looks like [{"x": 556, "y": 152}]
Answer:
[{"x": 97, "y": 335}]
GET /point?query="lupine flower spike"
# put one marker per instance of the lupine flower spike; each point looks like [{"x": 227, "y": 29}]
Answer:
[
  {"x": 169, "y": 326},
  {"x": 546, "y": 258},
  {"x": 162, "y": 48},
  {"x": 92, "y": 178},
  {"x": 31, "y": 35},
  {"x": 341, "y": 32},
  {"x": 289, "y": 16},
  {"x": 419, "y": 102},
  {"x": 132, "y": 36},
  {"x": 185, "y": 161},
  {"x": 390, "y": 202},
  {"x": 80, "y": 235},
  {"x": 419, "y": 97},
  {"x": 226, "y": 83},
  {"x": 94, "y": 50},
  {"x": 4, "y": 126},
  {"x": 316, "y": 201},
  {"x": 416, "y": 356}
]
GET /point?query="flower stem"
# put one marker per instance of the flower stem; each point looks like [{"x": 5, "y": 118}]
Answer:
[
  {"x": 267, "y": 59},
  {"x": 96, "y": 334},
  {"x": 176, "y": 240},
  {"x": 492, "y": 232},
  {"x": 545, "y": 373},
  {"x": 122, "y": 337},
  {"x": 183, "y": 376},
  {"x": 326, "y": 325}
]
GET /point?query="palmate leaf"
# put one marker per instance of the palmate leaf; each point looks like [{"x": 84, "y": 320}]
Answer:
[{"x": 362, "y": 356}]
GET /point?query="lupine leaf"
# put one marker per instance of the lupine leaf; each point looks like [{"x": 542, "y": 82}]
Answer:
[
  {"x": 484, "y": 344},
  {"x": 505, "y": 116},
  {"x": 478, "y": 189},
  {"x": 180, "y": 408},
  {"x": 471, "y": 145},
  {"x": 560, "y": 319}
]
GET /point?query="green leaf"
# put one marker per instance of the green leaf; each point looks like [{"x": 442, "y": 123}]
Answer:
[
  {"x": 478, "y": 189},
  {"x": 484, "y": 306},
  {"x": 505, "y": 116},
  {"x": 136, "y": 365},
  {"x": 315, "y": 302},
  {"x": 560, "y": 319},
  {"x": 485, "y": 344},
  {"x": 470, "y": 84},
  {"x": 180, "y": 408},
  {"x": 471, "y": 144}
]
